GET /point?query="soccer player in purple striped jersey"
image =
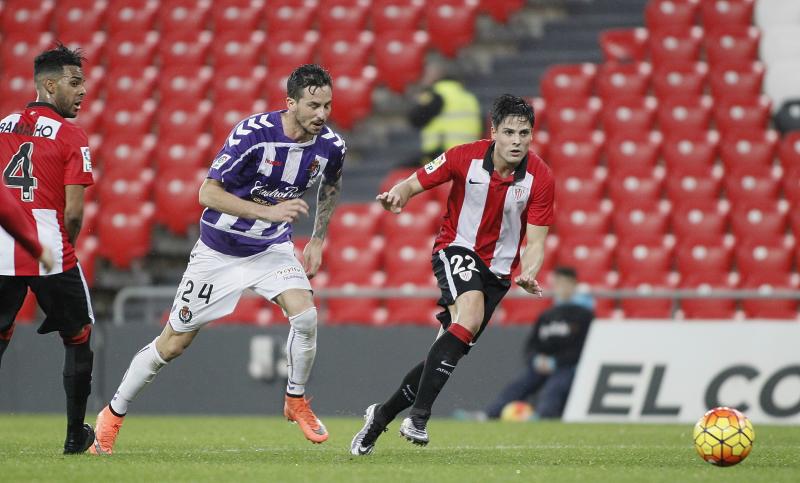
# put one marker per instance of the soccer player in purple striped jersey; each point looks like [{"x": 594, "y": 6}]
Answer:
[{"x": 252, "y": 195}]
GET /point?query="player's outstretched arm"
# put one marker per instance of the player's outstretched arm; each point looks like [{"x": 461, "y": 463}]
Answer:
[
  {"x": 327, "y": 196},
  {"x": 396, "y": 198},
  {"x": 73, "y": 211},
  {"x": 531, "y": 260},
  {"x": 214, "y": 196}
]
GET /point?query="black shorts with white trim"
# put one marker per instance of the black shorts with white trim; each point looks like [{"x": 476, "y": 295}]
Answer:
[{"x": 459, "y": 270}]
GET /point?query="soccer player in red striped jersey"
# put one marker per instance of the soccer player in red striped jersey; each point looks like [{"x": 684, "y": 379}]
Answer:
[
  {"x": 46, "y": 166},
  {"x": 16, "y": 224},
  {"x": 501, "y": 192}
]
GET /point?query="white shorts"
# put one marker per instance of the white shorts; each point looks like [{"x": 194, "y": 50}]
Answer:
[{"x": 214, "y": 282}]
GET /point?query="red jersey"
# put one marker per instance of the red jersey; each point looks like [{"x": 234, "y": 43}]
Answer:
[
  {"x": 486, "y": 213},
  {"x": 40, "y": 153},
  {"x": 15, "y": 223}
]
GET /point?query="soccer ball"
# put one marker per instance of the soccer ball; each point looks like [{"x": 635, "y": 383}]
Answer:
[
  {"x": 724, "y": 436},
  {"x": 516, "y": 411}
]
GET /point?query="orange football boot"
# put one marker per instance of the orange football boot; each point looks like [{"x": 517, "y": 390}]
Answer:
[
  {"x": 298, "y": 410},
  {"x": 107, "y": 428}
]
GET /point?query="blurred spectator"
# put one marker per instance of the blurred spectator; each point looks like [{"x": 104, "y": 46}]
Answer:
[
  {"x": 552, "y": 351},
  {"x": 445, "y": 111},
  {"x": 788, "y": 116}
]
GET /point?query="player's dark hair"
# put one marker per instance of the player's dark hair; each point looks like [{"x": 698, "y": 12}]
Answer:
[
  {"x": 53, "y": 61},
  {"x": 509, "y": 105},
  {"x": 308, "y": 75},
  {"x": 567, "y": 272}
]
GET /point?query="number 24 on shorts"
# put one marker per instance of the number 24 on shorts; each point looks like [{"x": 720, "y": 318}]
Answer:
[{"x": 203, "y": 294}]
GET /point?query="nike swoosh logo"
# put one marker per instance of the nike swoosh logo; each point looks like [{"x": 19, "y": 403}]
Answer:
[
  {"x": 444, "y": 363},
  {"x": 475, "y": 182}
]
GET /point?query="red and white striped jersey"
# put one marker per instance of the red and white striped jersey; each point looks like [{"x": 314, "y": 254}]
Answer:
[
  {"x": 40, "y": 153},
  {"x": 486, "y": 213}
]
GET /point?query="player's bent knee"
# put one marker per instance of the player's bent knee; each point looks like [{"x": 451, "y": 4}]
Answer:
[
  {"x": 172, "y": 347},
  {"x": 81, "y": 337},
  {"x": 305, "y": 321}
]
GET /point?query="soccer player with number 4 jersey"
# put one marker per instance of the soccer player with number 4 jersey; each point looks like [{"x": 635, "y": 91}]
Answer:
[
  {"x": 46, "y": 168},
  {"x": 501, "y": 192},
  {"x": 252, "y": 195}
]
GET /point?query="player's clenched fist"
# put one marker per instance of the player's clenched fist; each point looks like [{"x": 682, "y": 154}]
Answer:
[
  {"x": 288, "y": 211},
  {"x": 529, "y": 284}
]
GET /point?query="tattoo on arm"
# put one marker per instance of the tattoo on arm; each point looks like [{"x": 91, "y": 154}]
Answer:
[{"x": 327, "y": 196}]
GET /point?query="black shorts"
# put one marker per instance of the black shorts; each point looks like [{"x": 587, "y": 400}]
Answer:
[
  {"x": 459, "y": 270},
  {"x": 64, "y": 298}
]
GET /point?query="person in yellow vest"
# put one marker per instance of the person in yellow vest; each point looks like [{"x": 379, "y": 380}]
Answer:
[{"x": 446, "y": 113}]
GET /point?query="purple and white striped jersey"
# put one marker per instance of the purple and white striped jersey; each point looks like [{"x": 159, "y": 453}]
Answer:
[{"x": 259, "y": 163}]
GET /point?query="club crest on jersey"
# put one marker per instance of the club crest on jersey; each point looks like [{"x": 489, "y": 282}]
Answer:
[
  {"x": 313, "y": 169},
  {"x": 519, "y": 193},
  {"x": 185, "y": 314},
  {"x": 434, "y": 165},
  {"x": 220, "y": 161},
  {"x": 466, "y": 275}
]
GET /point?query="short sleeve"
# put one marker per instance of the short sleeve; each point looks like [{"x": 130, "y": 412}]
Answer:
[
  {"x": 540, "y": 210},
  {"x": 438, "y": 171},
  {"x": 78, "y": 167},
  {"x": 333, "y": 170},
  {"x": 228, "y": 162}
]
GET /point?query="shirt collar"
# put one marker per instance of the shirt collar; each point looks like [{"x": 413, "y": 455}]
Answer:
[
  {"x": 43, "y": 104},
  {"x": 519, "y": 172}
]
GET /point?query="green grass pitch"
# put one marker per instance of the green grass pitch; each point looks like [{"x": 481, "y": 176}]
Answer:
[{"x": 156, "y": 449}]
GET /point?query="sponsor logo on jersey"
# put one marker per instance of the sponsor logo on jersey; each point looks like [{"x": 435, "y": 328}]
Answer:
[
  {"x": 185, "y": 314},
  {"x": 87, "y": 159},
  {"x": 434, "y": 165},
  {"x": 289, "y": 273},
  {"x": 265, "y": 196},
  {"x": 220, "y": 161}
]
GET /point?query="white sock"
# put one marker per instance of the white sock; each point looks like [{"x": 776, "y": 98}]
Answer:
[
  {"x": 301, "y": 347},
  {"x": 144, "y": 367}
]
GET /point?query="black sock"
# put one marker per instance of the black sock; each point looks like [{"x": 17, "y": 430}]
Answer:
[
  {"x": 78, "y": 361},
  {"x": 442, "y": 360},
  {"x": 403, "y": 398}
]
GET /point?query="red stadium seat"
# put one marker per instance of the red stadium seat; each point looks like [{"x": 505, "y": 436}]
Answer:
[
  {"x": 631, "y": 191},
  {"x": 660, "y": 14},
  {"x": 412, "y": 311},
  {"x": 732, "y": 44},
  {"x": 567, "y": 81},
  {"x": 291, "y": 48},
  {"x": 399, "y": 57},
  {"x": 242, "y": 47},
  {"x": 698, "y": 257},
  {"x": 124, "y": 233},
  {"x": 19, "y": 49},
  {"x": 676, "y": 44},
  {"x": 684, "y": 116},
  {"x": 751, "y": 153},
  {"x": 637, "y": 261},
  {"x": 755, "y": 258},
  {"x": 789, "y": 150},
  {"x": 125, "y": 152},
  {"x": 291, "y": 15},
  {"x": 133, "y": 120},
  {"x": 237, "y": 15},
  {"x": 699, "y": 220},
  {"x": 698, "y": 308},
  {"x": 173, "y": 153},
  {"x": 581, "y": 223},
  {"x": 736, "y": 80},
  {"x": 633, "y": 155},
  {"x": 766, "y": 282},
  {"x": 501, "y": 10},
  {"x": 354, "y": 224},
  {"x": 692, "y": 188},
  {"x": 130, "y": 86},
  {"x": 25, "y": 17},
  {"x": 177, "y": 205},
  {"x": 691, "y": 155},
  {"x": 187, "y": 83},
  {"x": 364, "y": 311},
  {"x": 93, "y": 48},
  {"x": 644, "y": 283},
  {"x": 640, "y": 225},
  {"x": 722, "y": 14},
  {"x": 186, "y": 15},
  {"x": 579, "y": 191},
  {"x": 78, "y": 18},
  {"x": 355, "y": 92},
  {"x": 575, "y": 154},
  {"x": 522, "y": 311},
  {"x": 680, "y": 80},
  {"x": 125, "y": 187},
  {"x": 131, "y": 49},
  {"x": 629, "y": 116},
  {"x": 229, "y": 112},
  {"x": 742, "y": 114},
  {"x": 185, "y": 48},
  {"x": 409, "y": 228},
  {"x": 185, "y": 122},
  {"x": 407, "y": 263},
  {"x": 619, "y": 81},
  {"x": 396, "y": 15},
  {"x": 346, "y": 52},
  {"x": 18, "y": 87},
  {"x": 451, "y": 24},
  {"x": 343, "y": 15},
  {"x": 133, "y": 16},
  {"x": 751, "y": 187},
  {"x": 624, "y": 45},
  {"x": 350, "y": 263},
  {"x": 594, "y": 261},
  {"x": 759, "y": 222},
  {"x": 578, "y": 115}
]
